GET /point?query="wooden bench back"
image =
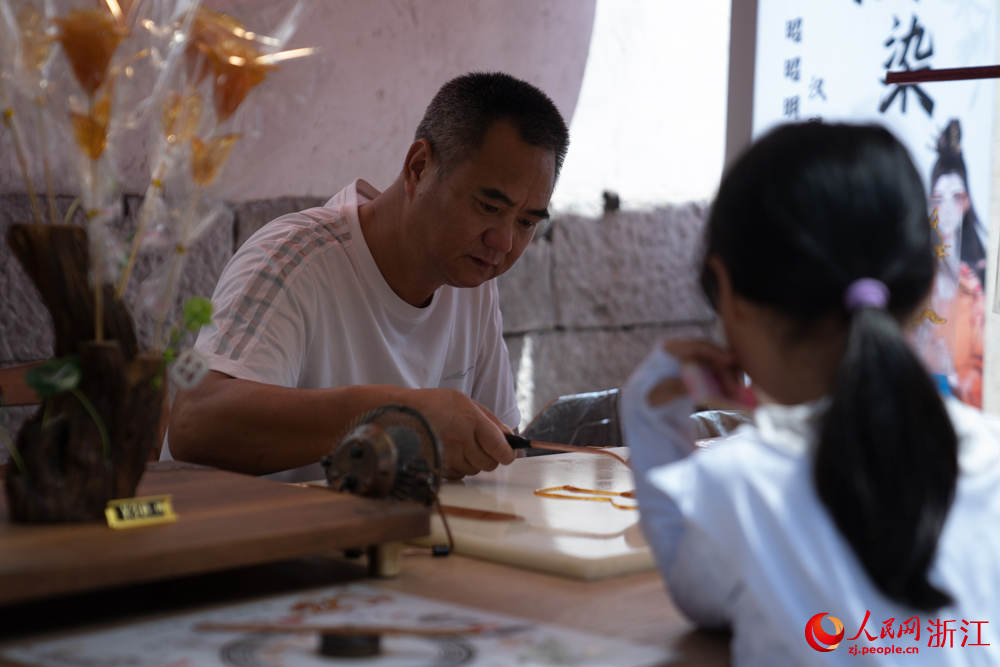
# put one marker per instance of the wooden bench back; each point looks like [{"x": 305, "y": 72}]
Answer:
[{"x": 15, "y": 391}]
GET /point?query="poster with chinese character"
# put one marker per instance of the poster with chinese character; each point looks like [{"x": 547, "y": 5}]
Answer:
[{"x": 827, "y": 59}]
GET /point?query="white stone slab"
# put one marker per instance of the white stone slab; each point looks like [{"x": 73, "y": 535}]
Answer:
[{"x": 574, "y": 538}]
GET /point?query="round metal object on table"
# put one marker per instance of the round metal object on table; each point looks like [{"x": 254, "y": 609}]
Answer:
[
  {"x": 364, "y": 463},
  {"x": 349, "y": 646},
  {"x": 392, "y": 451}
]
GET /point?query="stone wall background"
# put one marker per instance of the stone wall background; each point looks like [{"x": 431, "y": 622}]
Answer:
[
  {"x": 581, "y": 308},
  {"x": 588, "y": 299}
]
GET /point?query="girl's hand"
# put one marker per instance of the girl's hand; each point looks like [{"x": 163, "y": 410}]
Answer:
[{"x": 710, "y": 375}]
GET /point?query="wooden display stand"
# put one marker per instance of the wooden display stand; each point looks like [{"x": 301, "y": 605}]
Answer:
[{"x": 224, "y": 520}]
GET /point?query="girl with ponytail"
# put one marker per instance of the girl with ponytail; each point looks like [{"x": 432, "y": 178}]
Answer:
[{"x": 858, "y": 491}]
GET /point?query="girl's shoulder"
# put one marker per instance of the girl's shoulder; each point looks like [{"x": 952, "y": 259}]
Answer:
[
  {"x": 732, "y": 470},
  {"x": 764, "y": 464},
  {"x": 779, "y": 436}
]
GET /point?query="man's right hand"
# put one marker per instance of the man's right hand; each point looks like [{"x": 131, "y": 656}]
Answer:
[
  {"x": 257, "y": 428},
  {"x": 472, "y": 437}
]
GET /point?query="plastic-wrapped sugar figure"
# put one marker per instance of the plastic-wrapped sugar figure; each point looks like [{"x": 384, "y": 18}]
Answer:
[{"x": 189, "y": 369}]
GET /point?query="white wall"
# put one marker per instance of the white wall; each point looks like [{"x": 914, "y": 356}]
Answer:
[
  {"x": 651, "y": 120},
  {"x": 351, "y": 109}
]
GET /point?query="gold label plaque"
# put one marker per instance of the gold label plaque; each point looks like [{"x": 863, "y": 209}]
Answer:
[{"x": 135, "y": 512}]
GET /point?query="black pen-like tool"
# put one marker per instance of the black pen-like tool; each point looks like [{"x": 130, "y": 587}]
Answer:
[{"x": 520, "y": 442}]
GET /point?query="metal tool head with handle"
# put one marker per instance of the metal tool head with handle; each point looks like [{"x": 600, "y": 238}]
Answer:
[{"x": 392, "y": 452}]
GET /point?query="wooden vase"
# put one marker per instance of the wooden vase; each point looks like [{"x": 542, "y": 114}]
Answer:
[{"x": 68, "y": 475}]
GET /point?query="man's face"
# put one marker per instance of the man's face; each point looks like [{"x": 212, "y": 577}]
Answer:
[{"x": 477, "y": 219}]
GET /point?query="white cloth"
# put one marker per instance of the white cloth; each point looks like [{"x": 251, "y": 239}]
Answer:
[
  {"x": 303, "y": 304},
  {"x": 742, "y": 539}
]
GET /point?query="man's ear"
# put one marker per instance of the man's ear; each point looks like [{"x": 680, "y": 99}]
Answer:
[{"x": 417, "y": 165}]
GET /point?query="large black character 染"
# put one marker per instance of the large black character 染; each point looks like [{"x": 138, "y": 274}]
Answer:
[{"x": 900, "y": 58}]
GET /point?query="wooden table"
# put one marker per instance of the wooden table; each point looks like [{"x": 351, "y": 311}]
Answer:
[
  {"x": 225, "y": 520},
  {"x": 632, "y": 607}
]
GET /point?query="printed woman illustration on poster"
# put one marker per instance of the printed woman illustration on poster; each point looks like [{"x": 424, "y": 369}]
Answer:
[{"x": 951, "y": 337}]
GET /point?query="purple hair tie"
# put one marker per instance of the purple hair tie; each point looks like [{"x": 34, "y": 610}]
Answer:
[{"x": 866, "y": 293}]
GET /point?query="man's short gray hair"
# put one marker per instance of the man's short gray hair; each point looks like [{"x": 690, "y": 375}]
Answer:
[{"x": 463, "y": 110}]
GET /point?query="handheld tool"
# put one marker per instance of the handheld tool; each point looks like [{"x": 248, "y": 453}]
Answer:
[{"x": 520, "y": 442}]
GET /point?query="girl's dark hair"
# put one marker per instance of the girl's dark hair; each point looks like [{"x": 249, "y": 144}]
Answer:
[
  {"x": 803, "y": 213},
  {"x": 950, "y": 161}
]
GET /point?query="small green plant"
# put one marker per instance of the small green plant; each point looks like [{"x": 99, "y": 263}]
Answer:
[
  {"x": 58, "y": 376},
  {"x": 197, "y": 313}
]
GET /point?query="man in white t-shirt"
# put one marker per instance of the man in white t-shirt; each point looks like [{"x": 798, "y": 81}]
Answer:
[{"x": 382, "y": 297}]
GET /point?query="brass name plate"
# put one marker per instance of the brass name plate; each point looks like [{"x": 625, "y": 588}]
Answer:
[{"x": 136, "y": 512}]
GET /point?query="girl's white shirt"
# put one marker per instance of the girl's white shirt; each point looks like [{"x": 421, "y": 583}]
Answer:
[{"x": 743, "y": 540}]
